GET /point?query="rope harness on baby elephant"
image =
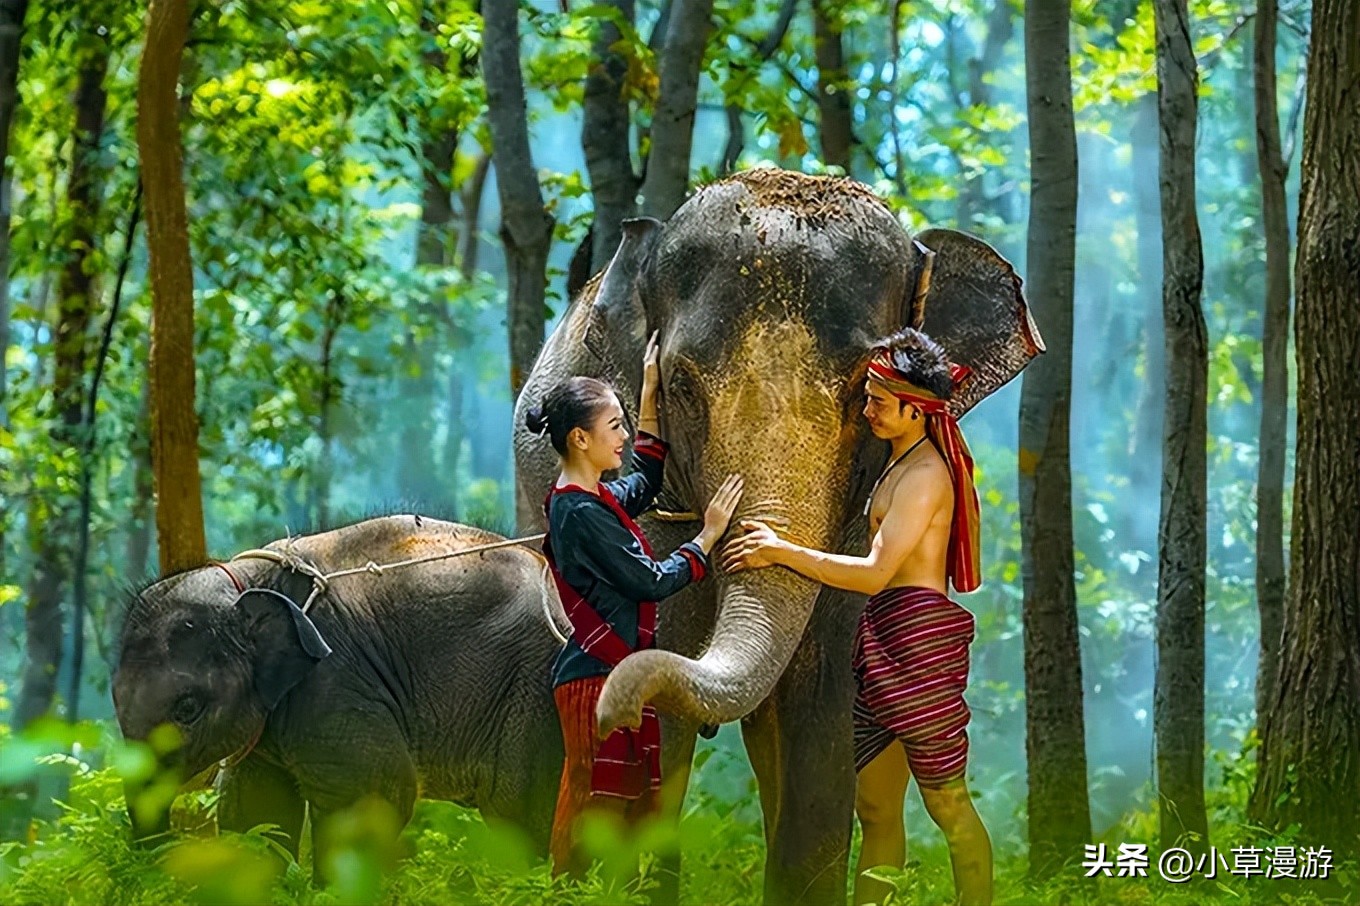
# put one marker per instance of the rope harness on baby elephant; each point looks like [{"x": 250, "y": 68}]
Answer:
[{"x": 290, "y": 559}]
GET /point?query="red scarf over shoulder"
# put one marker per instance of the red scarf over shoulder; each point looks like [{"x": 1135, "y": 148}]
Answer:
[
  {"x": 964, "y": 564},
  {"x": 628, "y": 762}
]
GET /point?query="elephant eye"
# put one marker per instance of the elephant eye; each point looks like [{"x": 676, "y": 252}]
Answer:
[{"x": 188, "y": 709}]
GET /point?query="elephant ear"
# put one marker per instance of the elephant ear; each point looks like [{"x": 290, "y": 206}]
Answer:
[
  {"x": 968, "y": 299},
  {"x": 617, "y": 315},
  {"x": 286, "y": 643}
]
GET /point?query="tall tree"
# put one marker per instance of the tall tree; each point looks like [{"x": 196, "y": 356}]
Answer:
[
  {"x": 1178, "y": 708},
  {"x": 418, "y": 479},
  {"x": 833, "y": 97},
  {"x": 1275, "y": 355},
  {"x": 672, "y": 134},
  {"x": 981, "y": 66},
  {"x": 1310, "y": 754},
  {"x": 12, "y": 13},
  {"x": 80, "y": 595},
  {"x": 736, "y": 130},
  {"x": 174, "y": 422},
  {"x": 1055, "y": 735},
  {"x": 526, "y": 225},
  {"x": 604, "y": 135},
  {"x": 323, "y": 474},
  {"x": 1145, "y": 441},
  {"x": 53, "y": 525}
]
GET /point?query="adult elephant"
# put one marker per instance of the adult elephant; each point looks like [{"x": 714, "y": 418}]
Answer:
[
  {"x": 767, "y": 288},
  {"x": 429, "y": 679}
]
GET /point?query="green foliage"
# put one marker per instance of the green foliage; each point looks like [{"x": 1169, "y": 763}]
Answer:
[{"x": 448, "y": 855}]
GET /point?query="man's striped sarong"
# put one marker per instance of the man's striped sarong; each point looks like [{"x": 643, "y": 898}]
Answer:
[{"x": 911, "y": 668}]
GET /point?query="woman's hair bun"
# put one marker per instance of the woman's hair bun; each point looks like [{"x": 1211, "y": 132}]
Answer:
[{"x": 536, "y": 421}]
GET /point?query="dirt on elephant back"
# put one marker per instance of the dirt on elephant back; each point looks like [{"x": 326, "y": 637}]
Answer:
[{"x": 815, "y": 197}]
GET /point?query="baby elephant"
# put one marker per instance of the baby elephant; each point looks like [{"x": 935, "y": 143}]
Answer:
[{"x": 430, "y": 679}]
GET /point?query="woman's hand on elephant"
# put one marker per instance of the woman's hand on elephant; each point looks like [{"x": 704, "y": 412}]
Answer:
[
  {"x": 718, "y": 515},
  {"x": 757, "y": 548},
  {"x": 651, "y": 368}
]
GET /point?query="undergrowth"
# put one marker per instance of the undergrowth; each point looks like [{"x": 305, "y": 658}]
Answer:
[{"x": 80, "y": 853}]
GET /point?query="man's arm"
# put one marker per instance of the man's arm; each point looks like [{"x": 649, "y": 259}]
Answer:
[{"x": 914, "y": 502}]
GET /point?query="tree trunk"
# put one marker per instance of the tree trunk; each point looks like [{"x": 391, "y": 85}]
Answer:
[
  {"x": 55, "y": 531},
  {"x": 417, "y": 479},
  {"x": 736, "y": 131},
  {"x": 1145, "y": 449},
  {"x": 87, "y": 460},
  {"x": 472, "y": 217},
  {"x": 174, "y": 422},
  {"x": 896, "y": 9},
  {"x": 833, "y": 99},
  {"x": 12, "y": 14},
  {"x": 324, "y": 474},
  {"x": 137, "y": 543},
  {"x": 138, "y": 549},
  {"x": 604, "y": 138},
  {"x": 1055, "y": 736},
  {"x": 1000, "y": 26},
  {"x": 667, "y": 177},
  {"x": 1310, "y": 754},
  {"x": 453, "y": 438},
  {"x": 1178, "y": 707},
  {"x": 526, "y": 226},
  {"x": 1275, "y": 352}
]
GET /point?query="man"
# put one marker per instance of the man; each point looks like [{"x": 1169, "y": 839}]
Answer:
[{"x": 911, "y": 646}]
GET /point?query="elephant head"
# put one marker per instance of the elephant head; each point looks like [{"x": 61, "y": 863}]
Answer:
[
  {"x": 768, "y": 289},
  {"x": 211, "y": 662}
]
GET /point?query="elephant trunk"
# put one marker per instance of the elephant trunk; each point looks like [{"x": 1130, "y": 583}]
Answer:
[
  {"x": 149, "y": 799},
  {"x": 761, "y": 618}
]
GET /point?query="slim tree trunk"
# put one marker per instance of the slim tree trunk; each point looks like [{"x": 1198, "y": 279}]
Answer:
[
  {"x": 1145, "y": 448},
  {"x": 526, "y": 226},
  {"x": 833, "y": 99},
  {"x": 472, "y": 192},
  {"x": 896, "y": 9},
  {"x": 140, "y": 517},
  {"x": 604, "y": 138},
  {"x": 174, "y": 422},
  {"x": 1000, "y": 27},
  {"x": 56, "y": 532},
  {"x": 1179, "y": 697},
  {"x": 324, "y": 475},
  {"x": 138, "y": 549},
  {"x": 12, "y": 13},
  {"x": 673, "y": 123},
  {"x": 1275, "y": 352},
  {"x": 87, "y": 459},
  {"x": 1309, "y": 765},
  {"x": 1055, "y": 736},
  {"x": 736, "y": 134},
  {"x": 453, "y": 438},
  {"x": 417, "y": 479}
]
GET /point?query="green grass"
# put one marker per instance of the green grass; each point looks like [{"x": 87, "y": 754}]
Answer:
[{"x": 80, "y": 854}]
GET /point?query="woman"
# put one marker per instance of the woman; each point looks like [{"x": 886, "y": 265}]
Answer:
[{"x": 609, "y": 583}]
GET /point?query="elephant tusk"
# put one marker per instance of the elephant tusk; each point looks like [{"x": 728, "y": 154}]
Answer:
[
  {"x": 548, "y": 608},
  {"x": 672, "y": 516}
]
